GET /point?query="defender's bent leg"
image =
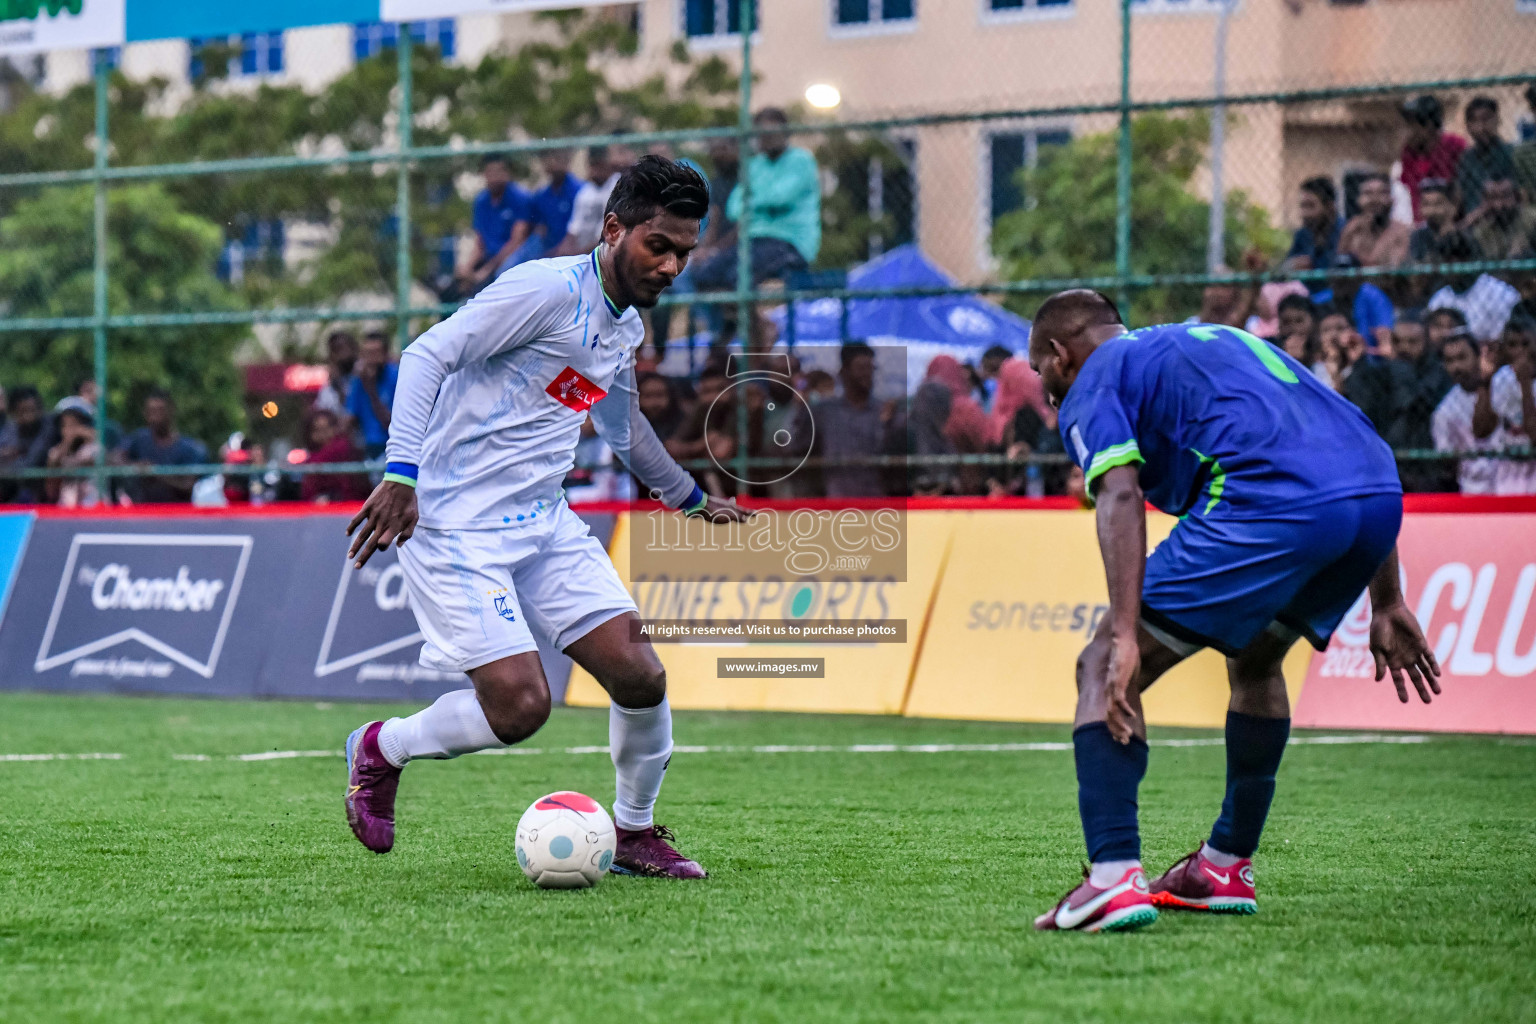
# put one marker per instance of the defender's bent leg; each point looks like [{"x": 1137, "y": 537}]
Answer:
[
  {"x": 639, "y": 741},
  {"x": 1258, "y": 726},
  {"x": 1109, "y": 773}
]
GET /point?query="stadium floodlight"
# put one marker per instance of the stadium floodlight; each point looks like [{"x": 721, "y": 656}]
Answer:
[{"x": 823, "y": 96}]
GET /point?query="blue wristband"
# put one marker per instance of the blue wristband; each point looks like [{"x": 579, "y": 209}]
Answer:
[
  {"x": 404, "y": 469},
  {"x": 696, "y": 501}
]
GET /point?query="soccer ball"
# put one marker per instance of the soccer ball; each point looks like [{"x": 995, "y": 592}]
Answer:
[{"x": 565, "y": 841}]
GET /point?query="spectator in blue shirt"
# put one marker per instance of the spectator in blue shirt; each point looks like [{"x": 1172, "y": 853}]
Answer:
[
  {"x": 158, "y": 443},
  {"x": 501, "y": 221},
  {"x": 1361, "y": 300},
  {"x": 1317, "y": 240},
  {"x": 549, "y": 209},
  {"x": 372, "y": 392}
]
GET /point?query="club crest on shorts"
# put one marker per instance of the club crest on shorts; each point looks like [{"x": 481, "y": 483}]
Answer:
[
  {"x": 574, "y": 391},
  {"x": 503, "y": 604}
]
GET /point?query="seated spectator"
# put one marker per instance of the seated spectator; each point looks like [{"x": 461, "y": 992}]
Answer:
[
  {"x": 1367, "y": 304},
  {"x": 1524, "y": 156},
  {"x": 1428, "y": 152},
  {"x": 371, "y": 392},
  {"x": 500, "y": 216},
  {"x": 711, "y": 430},
  {"x": 325, "y": 441},
  {"x": 1486, "y": 305},
  {"x": 1298, "y": 336},
  {"x": 549, "y": 208},
  {"x": 158, "y": 443},
  {"x": 1439, "y": 241},
  {"x": 340, "y": 359},
  {"x": 1503, "y": 229},
  {"x": 1441, "y": 324},
  {"x": 1265, "y": 321},
  {"x": 604, "y": 165},
  {"x": 1428, "y": 385},
  {"x": 966, "y": 425},
  {"x": 1023, "y": 423},
  {"x": 1372, "y": 236},
  {"x": 1488, "y": 157},
  {"x": 1377, "y": 386},
  {"x": 785, "y": 227},
  {"x": 927, "y": 421},
  {"x": 851, "y": 425},
  {"x": 1315, "y": 243},
  {"x": 77, "y": 447},
  {"x": 1231, "y": 304},
  {"x": 819, "y": 386},
  {"x": 658, "y": 404},
  {"x": 1453, "y": 420},
  {"x": 23, "y": 444},
  {"x": 991, "y": 361},
  {"x": 1513, "y": 398}
]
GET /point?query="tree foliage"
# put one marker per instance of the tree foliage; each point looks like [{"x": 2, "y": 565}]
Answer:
[
  {"x": 160, "y": 259},
  {"x": 1067, "y": 226}
]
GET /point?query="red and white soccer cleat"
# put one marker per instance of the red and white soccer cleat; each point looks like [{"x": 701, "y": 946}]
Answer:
[
  {"x": 649, "y": 852},
  {"x": 1194, "y": 883},
  {"x": 1124, "y": 906}
]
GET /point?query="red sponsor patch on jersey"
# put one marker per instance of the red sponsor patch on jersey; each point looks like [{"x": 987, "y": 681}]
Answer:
[
  {"x": 569, "y": 801},
  {"x": 574, "y": 391}
]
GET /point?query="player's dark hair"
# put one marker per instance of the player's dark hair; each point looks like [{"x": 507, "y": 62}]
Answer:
[
  {"x": 852, "y": 350},
  {"x": 655, "y": 184},
  {"x": 1323, "y": 187},
  {"x": 1477, "y": 103},
  {"x": 1302, "y": 302},
  {"x": 1076, "y": 309},
  {"x": 1431, "y": 185}
]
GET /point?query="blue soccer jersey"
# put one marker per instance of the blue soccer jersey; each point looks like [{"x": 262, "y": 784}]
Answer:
[{"x": 1220, "y": 422}]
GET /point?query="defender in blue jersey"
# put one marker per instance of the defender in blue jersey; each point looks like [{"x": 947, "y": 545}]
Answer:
[{"x": 1289, "y": 507}]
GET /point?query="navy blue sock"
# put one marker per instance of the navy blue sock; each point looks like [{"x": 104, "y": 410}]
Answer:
[
  {"x": 1108, "y": 775},
  {"x": 1254, "y": 749}
]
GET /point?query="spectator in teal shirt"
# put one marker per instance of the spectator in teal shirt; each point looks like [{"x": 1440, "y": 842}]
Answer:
[{"x": 785, "y": 220}]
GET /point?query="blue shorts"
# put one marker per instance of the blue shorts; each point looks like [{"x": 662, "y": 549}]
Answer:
[{"x": 1220, "y": 582}]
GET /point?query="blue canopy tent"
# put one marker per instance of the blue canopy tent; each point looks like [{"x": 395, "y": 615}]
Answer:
[{"x": 962, "y": 326}]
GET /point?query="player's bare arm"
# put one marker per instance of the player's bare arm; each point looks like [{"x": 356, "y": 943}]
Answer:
[
  {"x": 1122, "y": 530},
  {"x": 387, "y": 517},
  {"x": 1397, "y": 643}
]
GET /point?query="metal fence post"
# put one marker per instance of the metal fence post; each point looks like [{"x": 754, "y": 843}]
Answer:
[
  {"x": 747, "y": 23},
  {"x": 1123, "y": 170},
  {"x": 99, "y": 273},
  {"x": 403, "y": 191}
]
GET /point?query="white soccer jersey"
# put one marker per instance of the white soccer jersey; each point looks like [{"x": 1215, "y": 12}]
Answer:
[{"x": 489, "y": 403}]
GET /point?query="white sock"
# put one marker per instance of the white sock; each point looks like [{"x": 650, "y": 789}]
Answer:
[
  {"x": 1106, "y": 873},
  {"x": 641, "y": 742},
  {"x": 1215, "y": 856},
  {"x": 455, "y": 724}
]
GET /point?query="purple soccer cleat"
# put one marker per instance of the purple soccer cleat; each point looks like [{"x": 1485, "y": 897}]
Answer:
[
  {"x": 649, "y": 852},
  {"x": 371, "y": 785}
]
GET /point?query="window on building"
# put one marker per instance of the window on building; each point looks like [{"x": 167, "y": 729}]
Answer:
[
  {"x": 1010, "y": 154},
  {"x": 705, "y": 18},
  {"x": 1026, "y": 6},
  {"x": 109, "y": 57},
  {"x": 873, "y": 208},
  {"x": 872, "y": 12},
  {"x": 370, "y": 38},
  {"x": 250, "y": 53}
]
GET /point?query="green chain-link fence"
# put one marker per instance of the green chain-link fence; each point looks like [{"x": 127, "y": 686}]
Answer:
[{"x": 1157, "y": 151}]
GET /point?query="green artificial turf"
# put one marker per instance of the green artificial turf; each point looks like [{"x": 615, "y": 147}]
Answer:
[{"x": 1396, "y": 881}]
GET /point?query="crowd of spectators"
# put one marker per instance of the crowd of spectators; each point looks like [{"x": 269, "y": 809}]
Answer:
[{"x": 1435, "y": 357}]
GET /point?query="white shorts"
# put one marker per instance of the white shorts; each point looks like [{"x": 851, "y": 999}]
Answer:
[{"x": 482, "y": 595}]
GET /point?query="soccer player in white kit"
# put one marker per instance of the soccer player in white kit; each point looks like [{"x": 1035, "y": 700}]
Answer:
[{"x": 487, "y": 412}]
